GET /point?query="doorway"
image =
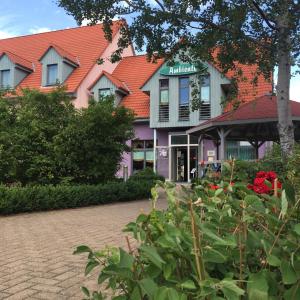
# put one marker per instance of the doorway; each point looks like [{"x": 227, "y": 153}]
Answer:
[{"x": 181, "y": 164}]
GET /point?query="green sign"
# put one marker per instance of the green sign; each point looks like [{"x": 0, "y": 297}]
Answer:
[{"x": 179, "y": 69}]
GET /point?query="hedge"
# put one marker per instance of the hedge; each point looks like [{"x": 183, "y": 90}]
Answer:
[{"x": 39, "y": 198}]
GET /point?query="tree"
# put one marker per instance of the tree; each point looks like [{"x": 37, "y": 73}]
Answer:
[
  {"x": 35, "y": 119},
  {"x": 90, "y": 148},
  {"x": 45, "y": 140},
  {"x": 261, "y": 32}
]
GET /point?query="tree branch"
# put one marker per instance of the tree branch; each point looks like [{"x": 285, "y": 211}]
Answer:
[{"x": 263, "y": 15}]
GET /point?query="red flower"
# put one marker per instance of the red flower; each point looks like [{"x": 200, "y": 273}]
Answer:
[
  {"x": 259, "y": 181},
  {"x": 261, "y": 174},
  {"x": 279, "y": 185},
  {"x": 271, "y": 175},
  {"x": 213, "y": 187}
]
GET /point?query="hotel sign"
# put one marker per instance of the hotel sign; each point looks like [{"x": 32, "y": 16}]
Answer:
[{"x": 179, "y": 69}]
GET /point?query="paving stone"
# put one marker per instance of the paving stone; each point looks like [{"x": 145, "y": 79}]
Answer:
[
  {"x": 36, "y": 249},
  {"x": 26, "y": 294}
]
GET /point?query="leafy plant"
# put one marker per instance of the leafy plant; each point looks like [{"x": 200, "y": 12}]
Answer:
[{"x": 228, "y": 243}]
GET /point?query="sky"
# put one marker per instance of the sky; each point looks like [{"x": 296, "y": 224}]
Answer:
[{"x": 20, "y": 17}]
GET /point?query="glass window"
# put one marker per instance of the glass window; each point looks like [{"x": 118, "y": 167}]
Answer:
[
  {"x": 179, "y": 139},
  {"x": 52, "y": 74},
  {"x": 205, "y": 89},
  {"x": 142, "y": 156},
  {"x": 164, "y": 91},
  {"x": 184, "y": 91},
  {"x": 5, "y": 78},
  {"x": 104, "y": 93}
]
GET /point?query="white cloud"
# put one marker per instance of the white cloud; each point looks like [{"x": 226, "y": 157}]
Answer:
[
  {"x": 5, "y": 34},
  {"x": 8, "y": 27},
  {"x": 39, "y": 30}
]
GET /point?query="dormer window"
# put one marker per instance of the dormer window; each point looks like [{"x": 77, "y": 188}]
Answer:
[
  {"x": 5, "y": 78},
  {"x": 57, "y": 65},
  {"x": 104, "y": 93},
  {"x": 13, "y": 69},
  {"x": 52, "y": 74}
]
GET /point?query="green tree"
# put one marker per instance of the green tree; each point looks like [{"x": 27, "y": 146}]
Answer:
[
  {"x": 39, "y": 117},
  {"x": 90, "y": 148},
  {"x": 262, "y": 32}
]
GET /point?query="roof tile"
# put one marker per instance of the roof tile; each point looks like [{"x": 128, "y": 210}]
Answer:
[{"x": 87, "y": 43}]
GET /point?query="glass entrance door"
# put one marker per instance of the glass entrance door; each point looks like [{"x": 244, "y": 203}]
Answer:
[{"x": 181, "y": 164}]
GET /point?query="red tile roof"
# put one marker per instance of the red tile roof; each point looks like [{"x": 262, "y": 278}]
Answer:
[
  {"x": 247, "y": 90},
  {"x": 262, "y": 108},
  {"x": 135, "y": 71},
  {"x": 87, "y": 43},
  {"x": 63, "y": 53},
  {"x": 18, "y": 60},
  {"x": 117, "y": 82}
]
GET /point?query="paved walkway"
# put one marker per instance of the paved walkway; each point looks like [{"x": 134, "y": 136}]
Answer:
[{"x": 36, "y": 260}]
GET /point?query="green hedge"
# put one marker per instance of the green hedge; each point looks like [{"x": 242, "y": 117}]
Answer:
[{"x": 38, "y": 198}]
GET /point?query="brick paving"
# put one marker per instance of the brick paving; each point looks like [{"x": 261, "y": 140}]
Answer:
[{"x": 36, "y": 260}]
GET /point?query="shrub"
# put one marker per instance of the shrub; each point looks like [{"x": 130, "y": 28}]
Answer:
[
  {"x": 228, "y": 243},
  {"x": 146, "y": 174},
  {"x": 39, "y": 198},
  {"x": 45, "y": 140}
]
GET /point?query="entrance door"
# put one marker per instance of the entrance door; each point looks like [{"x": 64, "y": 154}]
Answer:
[{"x": 181, "y": 164}]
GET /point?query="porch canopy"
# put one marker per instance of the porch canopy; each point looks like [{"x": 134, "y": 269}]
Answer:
[{"x": 255, "y": 122}]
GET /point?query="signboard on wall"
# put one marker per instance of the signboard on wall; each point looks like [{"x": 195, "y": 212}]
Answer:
[
  {"x": 179, "y": 69},
  {"x": 163, "y": 152}
]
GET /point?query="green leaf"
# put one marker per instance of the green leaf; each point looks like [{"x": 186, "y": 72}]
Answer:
[
  {"x": 152, "y": 254},
  {"x": 90, "y": 266},
  {"x": 136, "y": 295},
  {"x": 288, "y": 273},
  {"x": 230, "y": 241},
  {"x": 189, "y": 285},
  {"x": 218, "y": 192},
  {"x": 257, "y": 287},
  {"x": 212, "y": 255},
  {"x": 284, "y": 204},
  {"x": 85, "y": 291},
  {"x": 164, "y": 293},
  {"x": 82, "y": 249},
  {"x": 148, "y": 286},
  {"x": 292, "y": 293},
  {"x": 119, "y": 298},
  {"x": 297, "y": 228},
  {"x": 273, "y": 260},
  {"x": 230, "y": 290},
  {"x": 126, "y": 260}
]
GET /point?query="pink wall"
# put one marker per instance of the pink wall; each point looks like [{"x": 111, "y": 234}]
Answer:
[{"x": 82, "y": 91}]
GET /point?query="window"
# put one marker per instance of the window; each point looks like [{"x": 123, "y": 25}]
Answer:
[
  {"x": 52, "y": 74},
  {"x": 142, "y": 155},
  {"x": 205, "y": 98},
  {"x": 104, "y": 93},
  {"x": 240, "y": 150},
  {"x": 164, "y": 100},
  {"x": 5, "y": 79},
  {"x": 184, "y": 98}
]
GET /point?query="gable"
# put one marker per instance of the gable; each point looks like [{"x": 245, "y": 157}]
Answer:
[{"x": 87, "y": 43}]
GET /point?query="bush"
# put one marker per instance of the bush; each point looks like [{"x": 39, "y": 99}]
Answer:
[
  {"x": 224, "y": 243},
  {"x": 39, "y": 198},
  {"x": 146, "y": 174}
]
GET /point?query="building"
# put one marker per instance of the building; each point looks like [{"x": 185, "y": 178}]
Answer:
[{"x": 159, "y": 94}]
